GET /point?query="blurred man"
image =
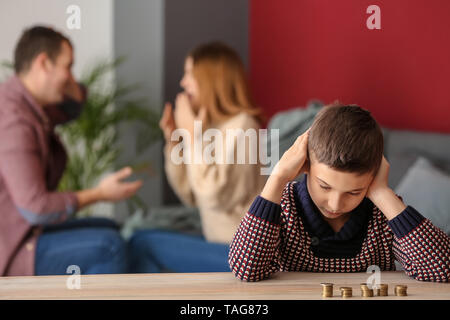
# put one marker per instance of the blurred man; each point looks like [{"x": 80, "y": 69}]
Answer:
[{"x": 35, "y": 237}]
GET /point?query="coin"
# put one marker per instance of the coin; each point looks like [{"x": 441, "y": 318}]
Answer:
[
  {"x": 400, "y": 290},
  {"x": 346, "y": 292},
  {"x": 327, "y": 290},
  {"x": 366, "y": 292},
  {"x": 383, "y": 291}
]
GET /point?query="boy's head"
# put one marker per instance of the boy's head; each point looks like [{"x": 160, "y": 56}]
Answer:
[{"x": 345, "y": 149}]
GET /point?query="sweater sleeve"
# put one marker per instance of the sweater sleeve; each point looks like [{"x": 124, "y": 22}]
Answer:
[
  {"x": 422, "y": 248},
  {"x": 255, "y": 247},
  {"x": 177, "y": 177}
]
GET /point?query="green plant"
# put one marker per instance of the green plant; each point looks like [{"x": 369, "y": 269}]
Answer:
[
  {"x": 7, "y": 67},
  {"x": 92, "y": 140}
]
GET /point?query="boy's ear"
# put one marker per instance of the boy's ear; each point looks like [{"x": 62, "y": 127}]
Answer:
[{"x": 306, "y": 166}]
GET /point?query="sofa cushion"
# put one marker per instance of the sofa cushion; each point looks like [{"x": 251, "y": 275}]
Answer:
[
  {"x": 402, "y": 148},
  {"x": 427, "y": 189}
]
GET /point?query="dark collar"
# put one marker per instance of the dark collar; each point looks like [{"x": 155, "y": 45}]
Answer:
[{"x": 316, "y": 224}]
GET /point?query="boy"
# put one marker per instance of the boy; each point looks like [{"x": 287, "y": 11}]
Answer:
[{"x": 342, "y": 217}]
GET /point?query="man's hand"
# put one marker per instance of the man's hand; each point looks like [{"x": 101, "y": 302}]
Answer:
[
  {"x": 293, "y": 162},
  {"x": 111, "y": 188},
  {"x": 383, "y": 196},
  {"x": 73, "y": 90}
]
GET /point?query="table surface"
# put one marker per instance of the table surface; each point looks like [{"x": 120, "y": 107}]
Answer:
[{"x": 211, "y": 286}]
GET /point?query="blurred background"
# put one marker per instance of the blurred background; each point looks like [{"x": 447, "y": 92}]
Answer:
[{"x": 296, "y": 51}]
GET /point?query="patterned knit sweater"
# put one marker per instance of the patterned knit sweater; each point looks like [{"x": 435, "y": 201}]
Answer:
[{"x": 293, "y": 237}]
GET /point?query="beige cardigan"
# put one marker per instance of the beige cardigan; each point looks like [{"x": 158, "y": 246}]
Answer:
[{"x": 222, "y": 192}]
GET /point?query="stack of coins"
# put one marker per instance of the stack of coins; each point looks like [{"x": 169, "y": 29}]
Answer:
[
  {"x": 400, "y": 290},
  {"x": 327, "y": 290},
  {"x": 365, "y": 291},
  {"x": 346, "y": 292},
  {"x": 383, "y": 290}
]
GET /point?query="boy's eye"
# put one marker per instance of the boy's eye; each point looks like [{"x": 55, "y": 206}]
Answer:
[{"x": 350, "y": 193}]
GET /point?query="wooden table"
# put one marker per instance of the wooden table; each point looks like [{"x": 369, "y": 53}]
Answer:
[{"x": 211, "y": 286}]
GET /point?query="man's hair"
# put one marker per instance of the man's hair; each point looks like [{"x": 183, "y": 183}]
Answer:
[
  {"x": 346, "y": 138},
  {"x": 35, "y": 40}
]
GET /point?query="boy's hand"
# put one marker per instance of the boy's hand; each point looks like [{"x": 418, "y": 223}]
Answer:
[
  {"x": 380, "y": 181},
  {"x": 382, "y": 196},
  {"x": 293, "y": 162}
]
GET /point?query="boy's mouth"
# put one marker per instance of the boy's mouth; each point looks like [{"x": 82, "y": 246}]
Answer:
[{"x": 331, "y": 213}]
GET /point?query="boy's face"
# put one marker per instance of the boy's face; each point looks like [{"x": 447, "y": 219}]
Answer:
[{"x": 334, "y": 192}]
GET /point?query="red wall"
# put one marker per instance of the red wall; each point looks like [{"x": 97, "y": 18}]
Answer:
[{"x": 304, "y": 49}]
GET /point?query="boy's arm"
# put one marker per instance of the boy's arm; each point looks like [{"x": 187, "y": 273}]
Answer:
[
  {"x": 421, "y": 248},
  {"x": 255, "y": 246}
]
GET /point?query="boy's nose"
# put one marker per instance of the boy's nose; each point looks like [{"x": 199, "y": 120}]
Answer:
[{"x": 334, "y": 203}]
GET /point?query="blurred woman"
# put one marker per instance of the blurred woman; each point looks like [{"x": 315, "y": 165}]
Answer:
[{"x": 216, "y": 94}]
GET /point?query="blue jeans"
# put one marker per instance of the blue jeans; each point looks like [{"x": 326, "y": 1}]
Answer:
[
  {"x": 153, "y": 251},
  {"x": 92, "y": 244}
]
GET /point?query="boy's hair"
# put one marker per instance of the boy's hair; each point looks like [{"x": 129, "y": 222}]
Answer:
[
  {"x": 35, "y": 40},
  {"x": 346, "y": 138}
]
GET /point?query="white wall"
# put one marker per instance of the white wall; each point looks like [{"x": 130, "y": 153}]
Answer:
[{"x": 93, "y": 41}]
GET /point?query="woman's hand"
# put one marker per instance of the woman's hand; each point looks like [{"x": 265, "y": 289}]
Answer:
[
  {"x": 167, "y": 122},
  {"x": 184, "y": 114}
]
